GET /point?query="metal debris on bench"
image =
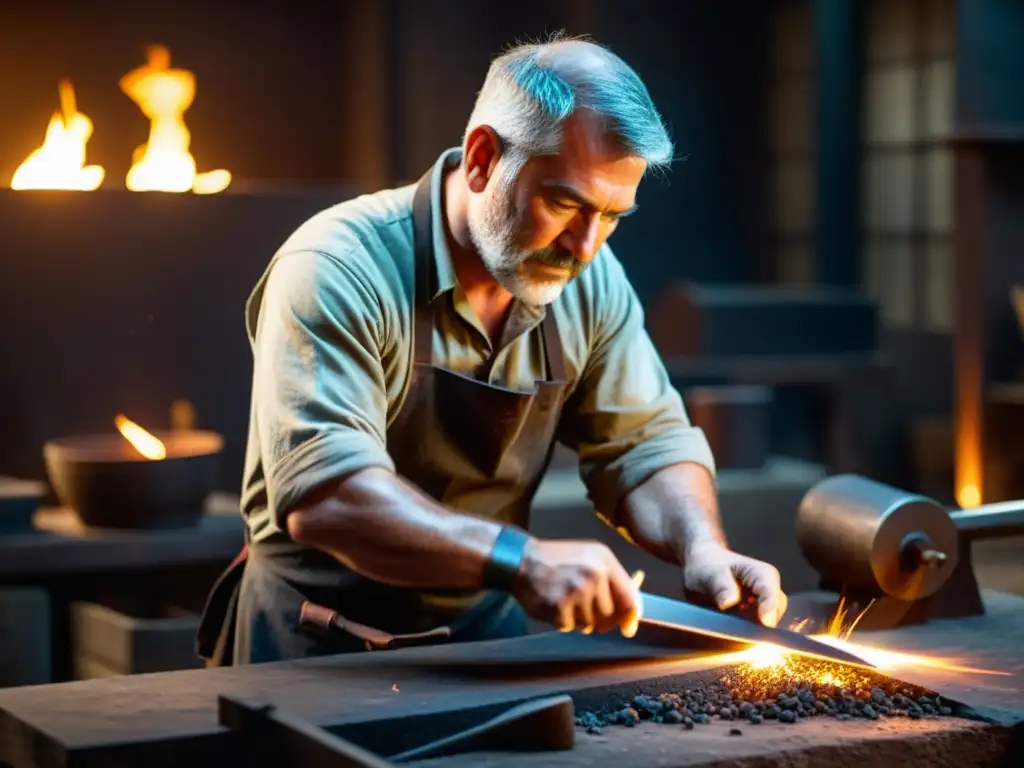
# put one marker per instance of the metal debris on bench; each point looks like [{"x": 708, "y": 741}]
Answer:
[{"x": 799, "y": 689}]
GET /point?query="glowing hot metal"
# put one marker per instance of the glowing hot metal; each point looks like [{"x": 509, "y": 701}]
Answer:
[
  {"x": 767, "y": 661},
  {"x": 686, "y": 617}
]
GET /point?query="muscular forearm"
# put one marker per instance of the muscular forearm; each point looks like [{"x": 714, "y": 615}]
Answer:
[
  {"x": 386, "y": 530},
  {"x": 673, "y": 511}
]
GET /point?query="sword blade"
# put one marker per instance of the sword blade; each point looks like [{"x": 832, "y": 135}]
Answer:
[{"x": 686, "y": 617}]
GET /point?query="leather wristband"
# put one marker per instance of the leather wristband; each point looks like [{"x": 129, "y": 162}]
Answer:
[{"x": 502, "y": 566}]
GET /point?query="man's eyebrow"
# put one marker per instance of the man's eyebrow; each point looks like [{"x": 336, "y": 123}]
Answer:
[{"x": 566, "y": 190}]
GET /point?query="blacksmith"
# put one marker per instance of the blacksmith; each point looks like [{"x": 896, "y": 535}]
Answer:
[{"x": 417, "y": 354}]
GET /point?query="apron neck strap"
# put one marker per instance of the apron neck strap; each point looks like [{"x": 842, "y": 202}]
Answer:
[
  {"x": 425, "y": 272},
  {"x": 425, "y": 266},
  {"x": 553, "y": 346}
]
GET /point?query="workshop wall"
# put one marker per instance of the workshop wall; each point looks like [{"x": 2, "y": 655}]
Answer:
[
  {"x": 305, "y": 103},
  {"x": 370, "y": 91}
]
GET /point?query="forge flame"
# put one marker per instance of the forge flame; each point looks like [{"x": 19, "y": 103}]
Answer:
[
  {"x": 60, "y": 162},
  {"x": 142, "y": 441},
  {"x": 164, "y": 164}
]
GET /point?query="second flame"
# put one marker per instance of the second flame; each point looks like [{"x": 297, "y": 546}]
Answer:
[
  {"x": 164, "y": 163},
  {"x": 143, "y": 442}
]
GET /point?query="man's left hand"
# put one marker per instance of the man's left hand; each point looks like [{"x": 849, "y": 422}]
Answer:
[{"x": 724, "y": 576}]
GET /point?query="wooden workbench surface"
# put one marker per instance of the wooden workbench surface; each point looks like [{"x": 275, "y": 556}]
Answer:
[
  {"x": 812, "y": 743},
  {"x": 176, "y": 712}
]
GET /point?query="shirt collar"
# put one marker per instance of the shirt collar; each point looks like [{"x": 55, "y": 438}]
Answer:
[{"x": 524, "y": 315}]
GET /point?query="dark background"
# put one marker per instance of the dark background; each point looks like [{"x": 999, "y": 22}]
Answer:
[
  {"x": 371, "y": 91},
  {"x": 125, "y": 302},
  {"x": 115, "y": 301}
]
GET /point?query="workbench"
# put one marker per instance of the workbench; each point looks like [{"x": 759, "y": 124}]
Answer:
[
  {"x": 44, "y": 571},
  {"x": 61, "y": 546},
  {"x": 388, "y": 701},
  {"x": 47, "y": 570}
]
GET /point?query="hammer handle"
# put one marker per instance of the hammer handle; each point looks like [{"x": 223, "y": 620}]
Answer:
[{"x": 318, "y": 619}]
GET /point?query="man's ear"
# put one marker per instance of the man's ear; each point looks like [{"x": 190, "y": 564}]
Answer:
[{"x": 480, "y": 157}]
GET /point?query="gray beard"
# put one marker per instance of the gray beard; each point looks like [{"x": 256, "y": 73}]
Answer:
[{"x": 494, "y": 232}]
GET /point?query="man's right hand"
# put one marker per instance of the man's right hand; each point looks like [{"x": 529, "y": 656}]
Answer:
[{"x": 577, "y": 585}]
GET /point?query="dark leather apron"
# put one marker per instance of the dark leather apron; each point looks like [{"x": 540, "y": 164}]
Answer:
[{"x": 475, "y": 447}]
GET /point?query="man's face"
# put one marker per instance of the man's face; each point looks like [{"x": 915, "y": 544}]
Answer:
[{"x": 539, "y": 229}]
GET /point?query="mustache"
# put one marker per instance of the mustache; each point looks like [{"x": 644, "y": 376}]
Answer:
[{"x": 558, "y": 259}]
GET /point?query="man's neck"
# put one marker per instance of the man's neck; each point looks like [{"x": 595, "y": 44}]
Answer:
[{"x": 485, "y": 295}]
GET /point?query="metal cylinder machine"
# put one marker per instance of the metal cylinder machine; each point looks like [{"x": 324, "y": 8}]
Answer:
[{"x": 901, "y": 556}]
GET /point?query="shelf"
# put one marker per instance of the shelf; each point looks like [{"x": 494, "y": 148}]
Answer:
[{"x": 1000, "y": 135}]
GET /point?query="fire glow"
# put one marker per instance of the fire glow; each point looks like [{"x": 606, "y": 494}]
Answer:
[
  {"x": 142, "y": 441},
  {"x": 60, "y": 162},
  {"x": 162, "y": 164},
  {"x": 766, "y": 662}
]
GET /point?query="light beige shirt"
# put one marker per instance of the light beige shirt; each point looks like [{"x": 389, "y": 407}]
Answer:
[{"x": 330, "y": 326}]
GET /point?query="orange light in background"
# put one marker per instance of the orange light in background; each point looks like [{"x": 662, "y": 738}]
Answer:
[
  {"x": 969, "y": 458},
  {"x": 143, "y": 442},
  {"x": 60, "y": 162},
  {"x": 968, "y": 466},
  {"x": 968, "y": 496},
  {"x": 968, "y": 485},
  {"x": 164, "y": 164},
  {"x": 968, "y": 462}
]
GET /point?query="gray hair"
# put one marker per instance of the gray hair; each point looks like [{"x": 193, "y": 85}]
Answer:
[{"x": 533, "y": 88}]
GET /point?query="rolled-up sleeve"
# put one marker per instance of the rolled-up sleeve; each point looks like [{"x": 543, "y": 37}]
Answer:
[
  {"x": 319, "y": 396},
  {"x": 625, "y": 419}
]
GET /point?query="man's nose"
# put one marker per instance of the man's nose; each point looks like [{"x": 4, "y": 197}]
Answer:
[{"x": 581, "y": 239}]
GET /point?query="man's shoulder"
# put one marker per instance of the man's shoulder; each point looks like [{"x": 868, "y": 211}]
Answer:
[
  {"x": 357, "y": 253},
  {"x": 365, "y": 243},
  {"x": 368, "y": 230}
]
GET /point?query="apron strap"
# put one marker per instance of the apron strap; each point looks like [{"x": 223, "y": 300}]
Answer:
[
  {"x": 553, "y": 347},
  {"x": 425, "y": 270},
  {"x": 425, "y": 279}
]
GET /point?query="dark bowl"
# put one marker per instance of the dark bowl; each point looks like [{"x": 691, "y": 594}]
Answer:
[{"x": 110, "y": 485}]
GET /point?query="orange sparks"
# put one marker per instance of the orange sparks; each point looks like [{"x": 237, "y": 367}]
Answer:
[
  {"x": 770, "y": 661},
  {"x": 798, "y": 626},
  {"x": 837, "y": 625}
]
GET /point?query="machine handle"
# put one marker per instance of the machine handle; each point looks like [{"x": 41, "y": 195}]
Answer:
[
  {"x": 541, "y": 725},
  {"x": 288, "y": 737},
  {"x": 990, "y": 521}
]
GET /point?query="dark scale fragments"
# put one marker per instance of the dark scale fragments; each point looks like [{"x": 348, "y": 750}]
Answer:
[
  {"x": 799, "y": 690},
  {"x": 591, "y": 722}
]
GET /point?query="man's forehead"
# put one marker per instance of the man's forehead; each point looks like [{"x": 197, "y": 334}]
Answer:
[
  {"x": 588, "y": 136},
  {"x": 608, "y": 181},
  {"x": 567, "y": 165}
]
